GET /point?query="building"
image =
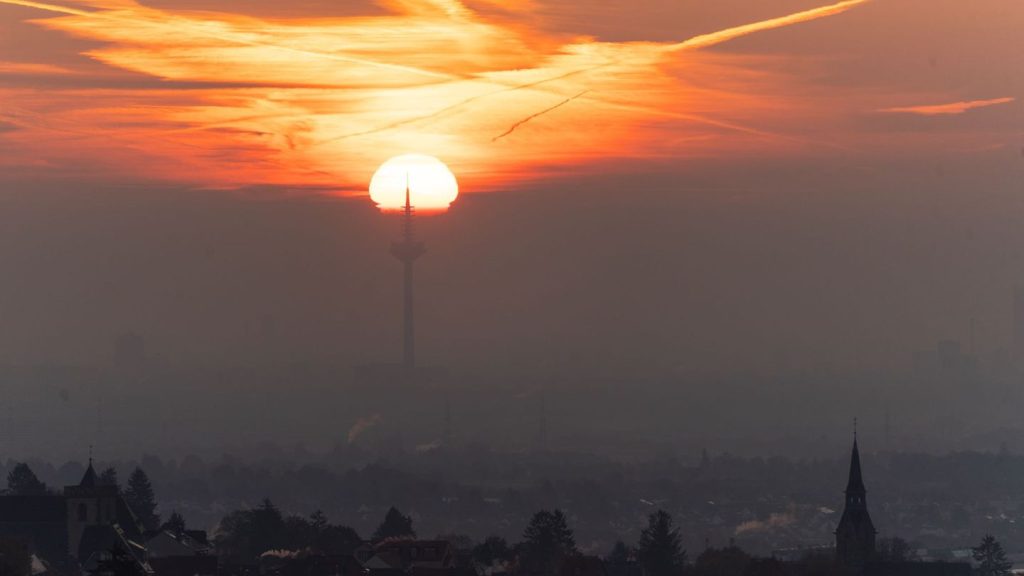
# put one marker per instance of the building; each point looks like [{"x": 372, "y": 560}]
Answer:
[
  {"x": 186, "y": 553},
  {"x": 76, "y": 528},
  {"x": 855, "y": 535}
]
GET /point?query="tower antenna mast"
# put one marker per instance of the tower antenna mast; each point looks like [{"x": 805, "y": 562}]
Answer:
[{"x": 407, "y": 251}]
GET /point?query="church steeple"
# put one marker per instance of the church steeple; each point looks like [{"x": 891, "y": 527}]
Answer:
[
  {"x": 856, "y": 493},
  {"x": 89, "y": 479},
  {"x": 855, "y": 535}
]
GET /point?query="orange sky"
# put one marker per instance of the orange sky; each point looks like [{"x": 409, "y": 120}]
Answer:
[{"x": 227, "y": 95}]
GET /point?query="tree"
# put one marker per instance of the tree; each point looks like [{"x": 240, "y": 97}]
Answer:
[
  {"x": 395, "y": 525},
  {"x": 991, "y": 558},
  {"x": 328, "y": 538},
  {"x": 245, "y": 534},
  {"x": 894, "y": 549},
  {"x": 175, "y": 524},
  {"x": 338, "y": 540},
  {"x": 109, "y": 477},
  {"x": 22, "y": 480},
  {"x": 298, "y": 533},
  {"x": 140, "y": 498},
  {"x": 547, "y": 541},
  {"x": 318, "y": 522},
  {"x": 493, "y": 550},
  {"x": 660, "y": 549},
  {"x": 269, "y": 529}
]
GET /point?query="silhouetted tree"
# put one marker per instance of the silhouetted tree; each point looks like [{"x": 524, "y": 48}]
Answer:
[
  {"x": 22, "y": 480},
  {"x": 269, "y": 529},
  {"x": 322, "y": 536},
  {"x": 547, "y": 541},
  {"x": 118, "y": 562},
  {"x": 620, "y": 554},
  {"x": 108, "y": 477},
  {"x": 15, "y": 559},
  {"x": 894, "y": 549},
  {"x": 338, "y": 540},
  {"x": 245, "y": 534},
  {"x": 298, "y": 533},
  {"x": 660, "y": 548},
  {"x": 991, "y": 558},
  {"x": 175, "y": 524},
  {"x": 493, "y": 550},
  {"x": 140, "y": 497},
  {"x": 233, "y": 538},
  {"x": 727, "y": 561},
  {"x": 318, "y": 522},
  {"x": 395, "y": 525}
]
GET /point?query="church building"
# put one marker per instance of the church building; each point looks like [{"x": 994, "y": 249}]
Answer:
[{"x": 855, "y": 535}]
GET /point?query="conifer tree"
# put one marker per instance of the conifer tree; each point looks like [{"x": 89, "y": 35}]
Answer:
[
  {"x": 395, "y": 525},
  {"x": 660, "y": 548},
  {"x": 547, "y": 541},
  {"x": 109, "y": 478},
  {"x": 140, "y": 497},
  {"x": 22, "y": 480},
  {"x": 991, "y": 558}
]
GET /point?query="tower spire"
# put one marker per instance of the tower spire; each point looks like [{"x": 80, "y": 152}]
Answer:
[
  {"x": 407, "y": 251},
  {"x": 855, "y": 535},
  {"x": 855, "y": 490}
]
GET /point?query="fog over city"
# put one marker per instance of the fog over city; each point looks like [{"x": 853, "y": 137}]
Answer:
[{"x": 485, "y": 287}]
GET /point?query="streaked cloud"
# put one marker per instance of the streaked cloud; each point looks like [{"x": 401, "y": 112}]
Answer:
[
  {"x": 229, "y": 100},
  {"x": 951, "y": 108}
]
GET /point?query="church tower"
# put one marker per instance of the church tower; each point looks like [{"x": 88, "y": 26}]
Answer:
[
  {"x": 90, "y": 503},
  {"x": 855, "y": 535}
]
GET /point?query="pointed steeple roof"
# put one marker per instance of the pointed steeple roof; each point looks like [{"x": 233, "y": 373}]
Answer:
[
  {"x": 89, "y": 480},
  {"x": 855, "y": 484}
]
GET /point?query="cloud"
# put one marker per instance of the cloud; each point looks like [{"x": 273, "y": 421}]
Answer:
[
  {"x": 947, "y": 109},
  {"x": 320, "y": 102}
]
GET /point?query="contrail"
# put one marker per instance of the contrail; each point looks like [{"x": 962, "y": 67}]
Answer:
[
  {"x": 695, "y": 43},
  {"x": 347, "y": 59},
  {"x": 706, "y": 40},
  {"x": 541, "y": 113},
  {"x": 462, "y": 103}
]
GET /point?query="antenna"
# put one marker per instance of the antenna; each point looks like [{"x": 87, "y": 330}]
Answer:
[
  {"x": 854, "y": 428},
  {"x": 408, "y": 250}
]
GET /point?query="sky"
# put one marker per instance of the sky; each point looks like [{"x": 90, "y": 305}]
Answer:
[{"x": 663, "y": 183}]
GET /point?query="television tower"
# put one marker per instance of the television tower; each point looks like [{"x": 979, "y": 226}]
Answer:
[{"x": 407, "y": 251}]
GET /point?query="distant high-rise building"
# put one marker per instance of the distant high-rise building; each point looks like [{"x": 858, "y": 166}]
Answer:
[
  {"x": 1018, "y": 322},
  {"x": 855, "y": 535}
]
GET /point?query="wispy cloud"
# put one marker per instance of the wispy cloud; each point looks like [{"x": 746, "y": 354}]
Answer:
[
  {"x": 951, "y": 108},
  {"x": 321, "y": 102}
]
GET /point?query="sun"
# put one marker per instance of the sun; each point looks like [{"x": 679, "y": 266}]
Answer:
[{"x": 432, "y": 186}]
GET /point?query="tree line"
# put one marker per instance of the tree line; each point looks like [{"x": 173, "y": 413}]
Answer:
[{"x": 547, "y": 541}]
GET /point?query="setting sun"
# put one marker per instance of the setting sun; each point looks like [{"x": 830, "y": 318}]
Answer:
[{"x": 432, "y": 186}]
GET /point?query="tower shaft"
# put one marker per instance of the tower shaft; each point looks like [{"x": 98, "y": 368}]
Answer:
[
  {"x": 407, "y": 251},
  {"x": 408, "y": 332}
]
